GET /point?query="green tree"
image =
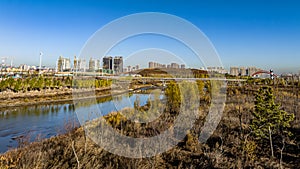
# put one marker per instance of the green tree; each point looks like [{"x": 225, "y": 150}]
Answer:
[
  {"x": 173, "y": 97},
  {"x": 201, "y": 86},
  {"x": 269, "y": 119},
  {"x": 17, "y": 85}
]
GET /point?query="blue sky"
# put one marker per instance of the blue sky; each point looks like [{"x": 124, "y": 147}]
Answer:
[{"x": 265, "y": 34}]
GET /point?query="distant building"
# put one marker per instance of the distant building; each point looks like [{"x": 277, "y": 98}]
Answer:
[
  {"x": 63, "y": 64},
  {"x": 75, "y": 64},
  {"x": 59, "y": 64},
  {"x": 151, "y": 65},
  {"x": 108, "y": 63},
  {"x": 94, "y": 65},
  {"x": 131, "y": 68},
  {"x": 118, "y": 64},
  {"x": 128, "y": 68},
  {"x": 220, "y": 70},
  {"x": 24, "y": 67},
  {"x": 174, "y": 65},
  {"x": 243, "y": 71},
  {"x": 32, "y": 68},
  {"x": 82, "y": 65},
  {"x": 252, "y": 70},
  {"x": 234, "y": 71},
  {"x": 79, "y": 65},
  {"x": 137, "y": 67}
]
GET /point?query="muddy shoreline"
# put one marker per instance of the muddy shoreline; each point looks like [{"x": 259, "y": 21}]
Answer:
[{"x": 12, "y": 100}]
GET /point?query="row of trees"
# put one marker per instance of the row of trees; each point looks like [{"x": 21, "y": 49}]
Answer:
[
  {"x": 91, "y": 83},
  {"x": 177, "y": 92},
  {"x": 40, "y": 83}
]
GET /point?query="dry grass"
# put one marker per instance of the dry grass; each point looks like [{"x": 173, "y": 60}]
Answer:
[{"x": 229, "y": 147}]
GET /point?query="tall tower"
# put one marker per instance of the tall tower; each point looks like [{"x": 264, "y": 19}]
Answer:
[
  {"x": 107, "y": 63},
  {"x": 92, "y": 65},
  {"x": 60, "y": 64},
  {"x": 234, "y": 71},
  {"x": 75, "y": 64},
  {"x": 118, "y": 64},
  {"x": 41, "y": 55},
  {"x": 151, "y": 65}
]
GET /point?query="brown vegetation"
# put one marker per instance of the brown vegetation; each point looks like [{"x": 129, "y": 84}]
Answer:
[{"x": 232, "y": 145}]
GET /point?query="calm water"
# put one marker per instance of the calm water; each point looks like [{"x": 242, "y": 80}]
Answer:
[{"x": 49, "y": 120}]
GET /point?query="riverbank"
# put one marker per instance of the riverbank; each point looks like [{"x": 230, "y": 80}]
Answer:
[
  {"x": 12, "y": 99},
  {"x": 222, "y": 150},
  {"x": 230, "y": 146}
]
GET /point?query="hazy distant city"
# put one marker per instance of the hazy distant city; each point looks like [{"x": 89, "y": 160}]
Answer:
[{"x": 115, "y": 66}]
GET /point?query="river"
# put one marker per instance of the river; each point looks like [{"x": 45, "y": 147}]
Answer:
[{"x": 44, "y": 121}]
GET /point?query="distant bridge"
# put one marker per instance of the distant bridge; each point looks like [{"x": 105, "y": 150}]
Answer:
[{"x": 263, "y": 72}]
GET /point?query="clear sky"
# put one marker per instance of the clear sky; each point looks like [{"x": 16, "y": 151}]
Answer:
[{"x": 258, "y": 33}]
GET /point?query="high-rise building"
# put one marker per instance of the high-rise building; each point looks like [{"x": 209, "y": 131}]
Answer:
[
  {"x": 159, "y": 65},
  {"x": 118, "y": 64},
  {"x": 252, "y": 70},
  {"x": 151, "y": 65},
  {"x": 24, "y": 67},
  {"x": 94, "y": 65},
  {"x": 137, "y": 67},
  {"x": 59, "y": 64},
  {"x": 220, "y": 70},
  {"x": 174, "y": 65},
  {"x": 234, "y": 71},
  {"x": 75, "y": 64},
  {"x": 129, "y": 68},
  {"x": 63, "y": 64},
  {"x": 154, "y": 65},
  {"x": 108, "y": 63},
  {"x": 243, "y": 71},
  {"x": 81, "y": 65}
]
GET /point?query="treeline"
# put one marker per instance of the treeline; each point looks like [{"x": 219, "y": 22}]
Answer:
[
  {"x": 40, "y": 83},
  {"x": 174, "y": 73}
]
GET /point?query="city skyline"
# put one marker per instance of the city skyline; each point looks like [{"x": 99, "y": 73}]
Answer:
[
  {"x": 81, "y": 64},
  {"x": 248, "y": 33}
]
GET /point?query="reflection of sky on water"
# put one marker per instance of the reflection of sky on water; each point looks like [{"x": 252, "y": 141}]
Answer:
[
  {"x": 117, "y": 104},
  {"x": 50, "y": 120}
]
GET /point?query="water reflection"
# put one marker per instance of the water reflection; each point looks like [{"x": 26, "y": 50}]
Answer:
[{"x": 51, "y": 119}]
